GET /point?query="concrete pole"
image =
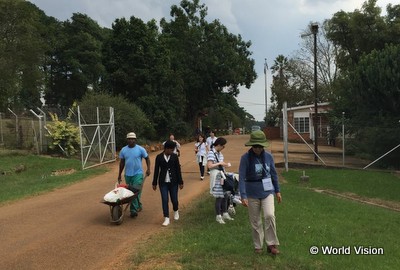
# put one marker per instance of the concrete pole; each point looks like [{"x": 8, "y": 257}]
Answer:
[
  {"x": 314, "y": 30},
  {"x": 285, "y": 136}
]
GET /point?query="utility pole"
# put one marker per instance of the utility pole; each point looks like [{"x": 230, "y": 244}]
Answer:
[
  {"x": 314, "y": 30},
  {"x": 266, "y": 96},
  {"x": 343, "y": 151}
]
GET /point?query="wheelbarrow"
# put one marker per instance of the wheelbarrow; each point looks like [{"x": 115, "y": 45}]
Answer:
[{"x": 118, "y": 208}]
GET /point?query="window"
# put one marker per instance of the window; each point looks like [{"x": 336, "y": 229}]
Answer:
[{"x": 302, "y": 124}]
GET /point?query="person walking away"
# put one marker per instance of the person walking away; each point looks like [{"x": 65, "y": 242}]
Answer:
[
  {"x": 177, "y": 149},
  {"x": 200, "y": 148},
  {"x": 131, "y": 157},
  {"x": 215, "y": 161},
  {"x": 258, "y": 182},
  {"x": 167, "y": 174},
  {"x": 210, "y": 143}
]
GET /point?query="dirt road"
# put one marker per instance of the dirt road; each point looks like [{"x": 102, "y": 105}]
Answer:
[{"x": 69, "y": 228}]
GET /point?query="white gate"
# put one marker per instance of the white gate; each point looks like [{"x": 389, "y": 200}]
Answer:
[{"x": 97, "y": 135}]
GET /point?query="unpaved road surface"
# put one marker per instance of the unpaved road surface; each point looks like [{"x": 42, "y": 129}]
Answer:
[{"x": 69, "y": 228}]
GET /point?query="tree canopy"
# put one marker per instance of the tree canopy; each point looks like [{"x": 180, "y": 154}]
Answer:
[{"x": 174, "y": 72}]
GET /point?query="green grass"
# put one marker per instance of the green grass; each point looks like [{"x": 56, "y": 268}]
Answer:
[
  {"x": 36, "y": 177},
  {"x": 304, "y": 219},
  {"x": 370, "y": 184}
]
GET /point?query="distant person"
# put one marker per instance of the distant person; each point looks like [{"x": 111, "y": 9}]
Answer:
[
  {"x": 211, "y": 139},
  {"x": 177, "y": 149},
  {"x": 167, "y": 174},
  {"x": 131, "y": 157},
  {"x": 258, "y": 182},
  {"x": 207, "y": 131},
  {"x": 200, "y": 148},
  {"x": 210, "y": 143},
  {"x": 216, "y": 163}
]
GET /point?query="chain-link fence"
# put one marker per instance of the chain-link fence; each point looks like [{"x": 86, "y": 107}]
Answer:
[
  {"x": 23, "y": 131},
  {"x": 360, "y": 147},
  {"x": 29, "y": 130},
  {"x": 340, "y": 142}
]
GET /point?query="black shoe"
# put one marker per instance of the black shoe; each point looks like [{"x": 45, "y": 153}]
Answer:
[{"x": 134, "y": 214}]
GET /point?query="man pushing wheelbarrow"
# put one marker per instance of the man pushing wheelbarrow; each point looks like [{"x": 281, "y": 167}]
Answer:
[{"x": 131, "y": 157}]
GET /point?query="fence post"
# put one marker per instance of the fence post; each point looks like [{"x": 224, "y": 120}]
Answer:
[
  {"x": 1, "y": 130},
  {"x": 40, "y": 129},
  {"x": 43, "y": 124},
  {"x": 343, "y": 136},
  {"x": 16, "y": 126},
  {"x": 285, "y": 136}
]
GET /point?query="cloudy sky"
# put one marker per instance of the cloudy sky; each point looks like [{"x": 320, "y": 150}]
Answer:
[{"x": 273, "y": 26}]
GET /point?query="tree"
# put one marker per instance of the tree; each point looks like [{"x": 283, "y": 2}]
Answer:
[
  {"x": 283, "y": 87},
  {"x": 21, "y": 54},
  {"x": 75, "y": 61},
  {"x": 327, "y": 69},
  {"x": 370, "y": 97},
  {"x": 367, "y": 89},
  {"x": 139, "y": 68},
  {"x": 357, "y": 33},
  {"x": 206, "y": 57}
]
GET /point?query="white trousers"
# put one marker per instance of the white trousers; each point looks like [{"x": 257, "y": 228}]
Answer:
[{"x": 263, "y": 210}]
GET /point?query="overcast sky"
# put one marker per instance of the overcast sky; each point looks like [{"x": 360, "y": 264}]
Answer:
[{"x": 273, "y": 26}]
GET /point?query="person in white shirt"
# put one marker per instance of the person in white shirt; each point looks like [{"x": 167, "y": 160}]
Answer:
[
  {"x": 200, "y": 148},
  {"x": 177, "y": 149},
  {"x": 210, "y": 143}
]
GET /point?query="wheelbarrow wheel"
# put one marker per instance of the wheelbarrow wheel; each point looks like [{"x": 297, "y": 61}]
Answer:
[{"x": 116, "y": 213}]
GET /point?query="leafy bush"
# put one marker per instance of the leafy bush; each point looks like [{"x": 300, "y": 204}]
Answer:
[{"x": 64, "y": 135}]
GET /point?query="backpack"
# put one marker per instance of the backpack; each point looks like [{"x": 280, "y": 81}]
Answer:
[{"x": 230, "y": 184}]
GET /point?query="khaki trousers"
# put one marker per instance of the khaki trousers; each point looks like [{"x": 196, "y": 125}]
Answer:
[{"x": 258, "y": 209}]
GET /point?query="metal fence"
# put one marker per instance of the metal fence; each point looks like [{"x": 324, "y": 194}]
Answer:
[
  {"x": 23, "y": 131},
  {"x": 27, "y": 130},
  {"x": 372, "y": 146}
]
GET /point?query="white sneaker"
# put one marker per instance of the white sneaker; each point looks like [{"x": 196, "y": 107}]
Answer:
[
  {"x": 176, "y": 215},
  {"x": 219, "y": 219},
  {"x": 201, "y": 177},
  {"x": 226, "y": 216},
  {"x": 237, "y": 200},
  {"x": 166, "y": 222}
]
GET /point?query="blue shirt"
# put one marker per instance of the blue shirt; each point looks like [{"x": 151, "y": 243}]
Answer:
[
  {"x": 251, "y": 174},
  {"x": 133, "y": 159}
]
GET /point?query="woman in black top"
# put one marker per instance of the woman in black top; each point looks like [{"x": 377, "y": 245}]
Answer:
[{"x": 167, "y": 174}]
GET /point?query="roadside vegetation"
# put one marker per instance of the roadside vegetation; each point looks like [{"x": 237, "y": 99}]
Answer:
[
  {"x": 23, "y": 175},
  {"x": 305, "y": 218}
]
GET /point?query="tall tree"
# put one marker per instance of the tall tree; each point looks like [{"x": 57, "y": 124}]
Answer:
[
  {"x": 283, "y": 88},
  {"x": 21, "y": 53},
  {"x": 357, "y": 33},
  {"x": 139, "y": 68},
  {"x": 206, "y": 56},
  {"x": 76, "y": 60},
  {"x": 327, "y": 69},
  {"x": 370, "y": 96}
]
